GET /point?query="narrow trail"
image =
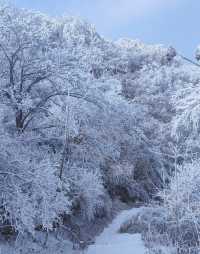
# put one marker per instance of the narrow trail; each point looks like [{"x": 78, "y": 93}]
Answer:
[
  {"x": 108, "y": 242},
  {"x": 112, "y": 242}
]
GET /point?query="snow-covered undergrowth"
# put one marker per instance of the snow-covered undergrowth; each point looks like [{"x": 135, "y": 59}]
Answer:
[
  {"x": 110, "y": 241},
  {"x": 53, "y": 246}
]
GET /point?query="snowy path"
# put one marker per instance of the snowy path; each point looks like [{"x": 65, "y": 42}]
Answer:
[
  {"x": 108, "y": 242},
  {"x": 111, "y": 242}
]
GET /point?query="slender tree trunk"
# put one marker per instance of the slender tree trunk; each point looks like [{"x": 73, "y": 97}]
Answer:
[
  {"x": 19, "y": 120},
  {"x": 66, "y": 148},
  {"x": 65, "y": 156}
]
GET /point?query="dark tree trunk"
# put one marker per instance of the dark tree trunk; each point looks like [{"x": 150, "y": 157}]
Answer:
[{"x": 19, "y": 120}]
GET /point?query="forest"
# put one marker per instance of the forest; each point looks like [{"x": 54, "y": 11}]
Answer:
[{"x": 91, "y": 129}]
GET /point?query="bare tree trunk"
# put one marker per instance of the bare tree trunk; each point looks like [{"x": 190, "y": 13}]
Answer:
[{"x": 19, "y": 120}]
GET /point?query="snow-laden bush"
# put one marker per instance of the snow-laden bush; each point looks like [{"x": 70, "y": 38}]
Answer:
[
  {"x": 89, "y": 196},
  {"x": 133, "y": 179},
  {"x": 121, "y": 173},
  {"x": 182, "y": 197},
  {"x": 31, "y": 199},
  {"x": 182, "y": 205},
  {"x": 120, "y": 182},
  {"x": 35, "y": 203},
  {"x": 32, "y": 196}
]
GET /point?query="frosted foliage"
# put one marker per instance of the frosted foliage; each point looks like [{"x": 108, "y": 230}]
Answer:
[
  {"x": 32, "y": 199},
  {"x": 88, "y": 191},
  {"x": 183, "y": 192},
  {"x": 187, "y": 104},
  {"x": 181, "y": 204},
  {"x": 121, "y": 174}
]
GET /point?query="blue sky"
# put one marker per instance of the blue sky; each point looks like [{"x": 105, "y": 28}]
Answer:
[{"x": 169, "y": 22}]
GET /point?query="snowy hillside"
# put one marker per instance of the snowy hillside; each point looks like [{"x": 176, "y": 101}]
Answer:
[{"x": 86, "y": 122}]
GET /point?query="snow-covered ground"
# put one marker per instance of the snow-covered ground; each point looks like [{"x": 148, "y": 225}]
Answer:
[
  {"x": 112, "y": 242},
  {"x": 108, "y": 242}
]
